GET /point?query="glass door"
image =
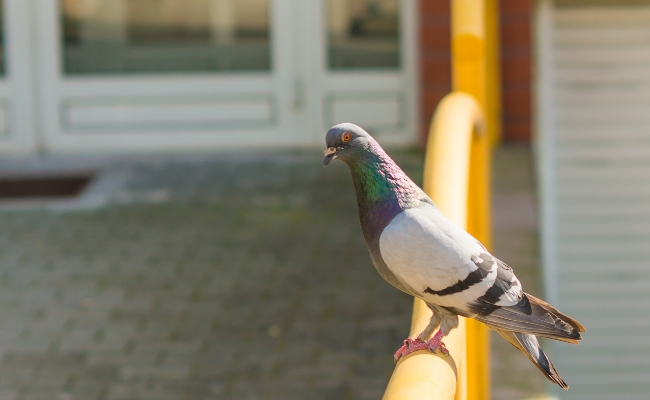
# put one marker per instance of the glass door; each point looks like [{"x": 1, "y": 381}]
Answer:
[
  {"x": 166, "y": 74},
  {"x": 173, "y": 75},
  {"x": 363, "y": 66},
  {"x": 109, "y": 37}
]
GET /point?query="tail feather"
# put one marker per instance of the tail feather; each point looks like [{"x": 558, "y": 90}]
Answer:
[
  {"x": 534, "y": 316},
  {"x": 529, "y": 345},
  {"x": 575, "y": 324}
]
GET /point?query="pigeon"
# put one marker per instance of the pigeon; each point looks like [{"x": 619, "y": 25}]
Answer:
[{"x": 415, "y": 248}]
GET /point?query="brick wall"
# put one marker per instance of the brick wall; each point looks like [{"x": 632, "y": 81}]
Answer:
[
  {"x": 435, "y": 58},
  {"x": 516, "y": 68},
  {"x": 516, "y": 62}
]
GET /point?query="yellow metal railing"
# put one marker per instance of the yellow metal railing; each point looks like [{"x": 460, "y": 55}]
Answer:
[{"x": 457, "y": 177}]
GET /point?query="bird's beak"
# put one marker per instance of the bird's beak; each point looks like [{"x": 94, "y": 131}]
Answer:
[{"x": 330, "y": 154}]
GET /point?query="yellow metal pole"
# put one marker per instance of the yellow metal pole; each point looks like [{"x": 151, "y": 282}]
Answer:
[
  {"x": 423, "y": 375},
  {"x": 470, "y": 70},
  {"x": 468, "y": 47},
  {"x": 457, "y": 177},
  {"x": 492, "y": 106}
]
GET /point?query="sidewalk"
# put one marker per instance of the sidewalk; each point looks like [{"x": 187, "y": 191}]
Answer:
[
  {"x": 213, "y": 277},
  {"x": 515, "y": 241}
]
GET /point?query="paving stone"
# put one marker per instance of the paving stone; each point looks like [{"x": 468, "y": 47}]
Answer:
[
  {"x": 249, "y": 280},
  {"x": 515, "y": 233}
]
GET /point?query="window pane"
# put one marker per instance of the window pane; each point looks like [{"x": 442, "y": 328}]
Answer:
[
  {"x": 363, "y": 34},
  {"x": 125, "y": 36}
]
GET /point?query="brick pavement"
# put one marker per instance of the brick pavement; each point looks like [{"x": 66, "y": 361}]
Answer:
[
  {"x": 515, "y": 240},
  {"x": 225, "y": 277},
  {"x": 250, "y": 281}
]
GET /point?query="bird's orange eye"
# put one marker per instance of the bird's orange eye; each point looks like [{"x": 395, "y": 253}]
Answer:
[{"x": 346, "y": 137}]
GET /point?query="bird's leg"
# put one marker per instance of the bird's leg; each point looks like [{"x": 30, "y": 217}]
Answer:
[
  {"x": 435, "y": 343},
  {"x": 419, "y": 343}
]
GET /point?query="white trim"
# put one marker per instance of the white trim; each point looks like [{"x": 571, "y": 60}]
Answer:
[
  {"x": 16, "y": 85},
  {"x": 545, "y": 151},
  {"x": 402, "y": 82},
  {"x": 411, "y": 45},
  {"x": 545, "y": 141},
  {"x": 299, "y": 88}
]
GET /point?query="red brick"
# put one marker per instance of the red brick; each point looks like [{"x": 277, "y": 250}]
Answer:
[
  {"x": 435, "y": 57},
  {"x": 435, "y": 71},
  {"x": 435, "y": 37},
  {"x": 436, "y": 54},
  {"x": 434, "y": 7},
  {"x": 516, "y": 103},
  {"x": 516, "y": 69},
  {"x": 430, "y": 100},
  {"x": 517, "y": 132},
  {"x": 516, "y": 6},
  {"x": 516, "y": 53},
  {"x": 515, "y": 34}
]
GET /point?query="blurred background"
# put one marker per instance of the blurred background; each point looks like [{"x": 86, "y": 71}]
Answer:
[{"x": 168, "y": 231}]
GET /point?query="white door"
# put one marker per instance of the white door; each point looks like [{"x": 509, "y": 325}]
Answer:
[
  {"x": 363, "y": 66},
  {"x": 17, "y": 133},
  {"x": 170, "y": 75},
  {"x": 122, "y": 75}
]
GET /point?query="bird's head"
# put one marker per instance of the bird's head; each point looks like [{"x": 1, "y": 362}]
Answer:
[{"x": 343, "y": 141}]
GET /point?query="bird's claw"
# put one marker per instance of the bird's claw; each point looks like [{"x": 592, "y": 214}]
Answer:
[
  {"x": 443, "y": 349},
  {"x": 412, "y": 345},
  {"x": 409, "y": 346}
]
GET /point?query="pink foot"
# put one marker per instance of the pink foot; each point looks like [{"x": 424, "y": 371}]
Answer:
[
  {"x": 411, "y": 345},
  {"x": 443, "y": 349}
]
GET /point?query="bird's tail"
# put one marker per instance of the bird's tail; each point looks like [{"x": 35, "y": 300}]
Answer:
[
  {"x": 577, "y": 326},
  {"x": 534, "y": 316},
  {"x": 529, "y": 345}
]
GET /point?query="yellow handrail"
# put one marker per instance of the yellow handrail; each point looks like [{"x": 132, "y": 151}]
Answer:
[
  {"x": 454, "y": 131},
  {"x": 457, "y": 177},
  {"x": 474, "y": 46}
]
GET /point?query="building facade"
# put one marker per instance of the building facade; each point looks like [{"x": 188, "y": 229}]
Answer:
[
  {"x": 593, "y": 119},
  {"x": 119, "y": 76},
  {"x": 170, "y": 75}
]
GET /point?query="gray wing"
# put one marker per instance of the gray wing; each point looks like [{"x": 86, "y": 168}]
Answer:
[
  {"x": 529, "y": 345},
  {"x": 443, "y": 264},
  {"x": 534, "y": 316}
]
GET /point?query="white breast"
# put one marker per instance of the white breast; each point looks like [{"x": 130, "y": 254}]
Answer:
[{"x": 426, "y": 250}]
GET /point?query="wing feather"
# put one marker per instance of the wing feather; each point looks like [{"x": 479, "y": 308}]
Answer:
[
  {"x": 439, "y": 260},
  {"x": 528, "y": 316},
  {"x": 529, "y": 345}
]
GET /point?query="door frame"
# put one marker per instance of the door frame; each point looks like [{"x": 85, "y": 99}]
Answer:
[
  {"x": 294, "y": 95},
  {"x": 17, "y": 124},
  {"x": 545, "y": 146},
  {"x": 375, "y": 85},
  {"x": 71, "y": 102}
]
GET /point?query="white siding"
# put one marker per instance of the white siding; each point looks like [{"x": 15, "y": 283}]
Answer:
[{"x": 601, "y": 92}]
